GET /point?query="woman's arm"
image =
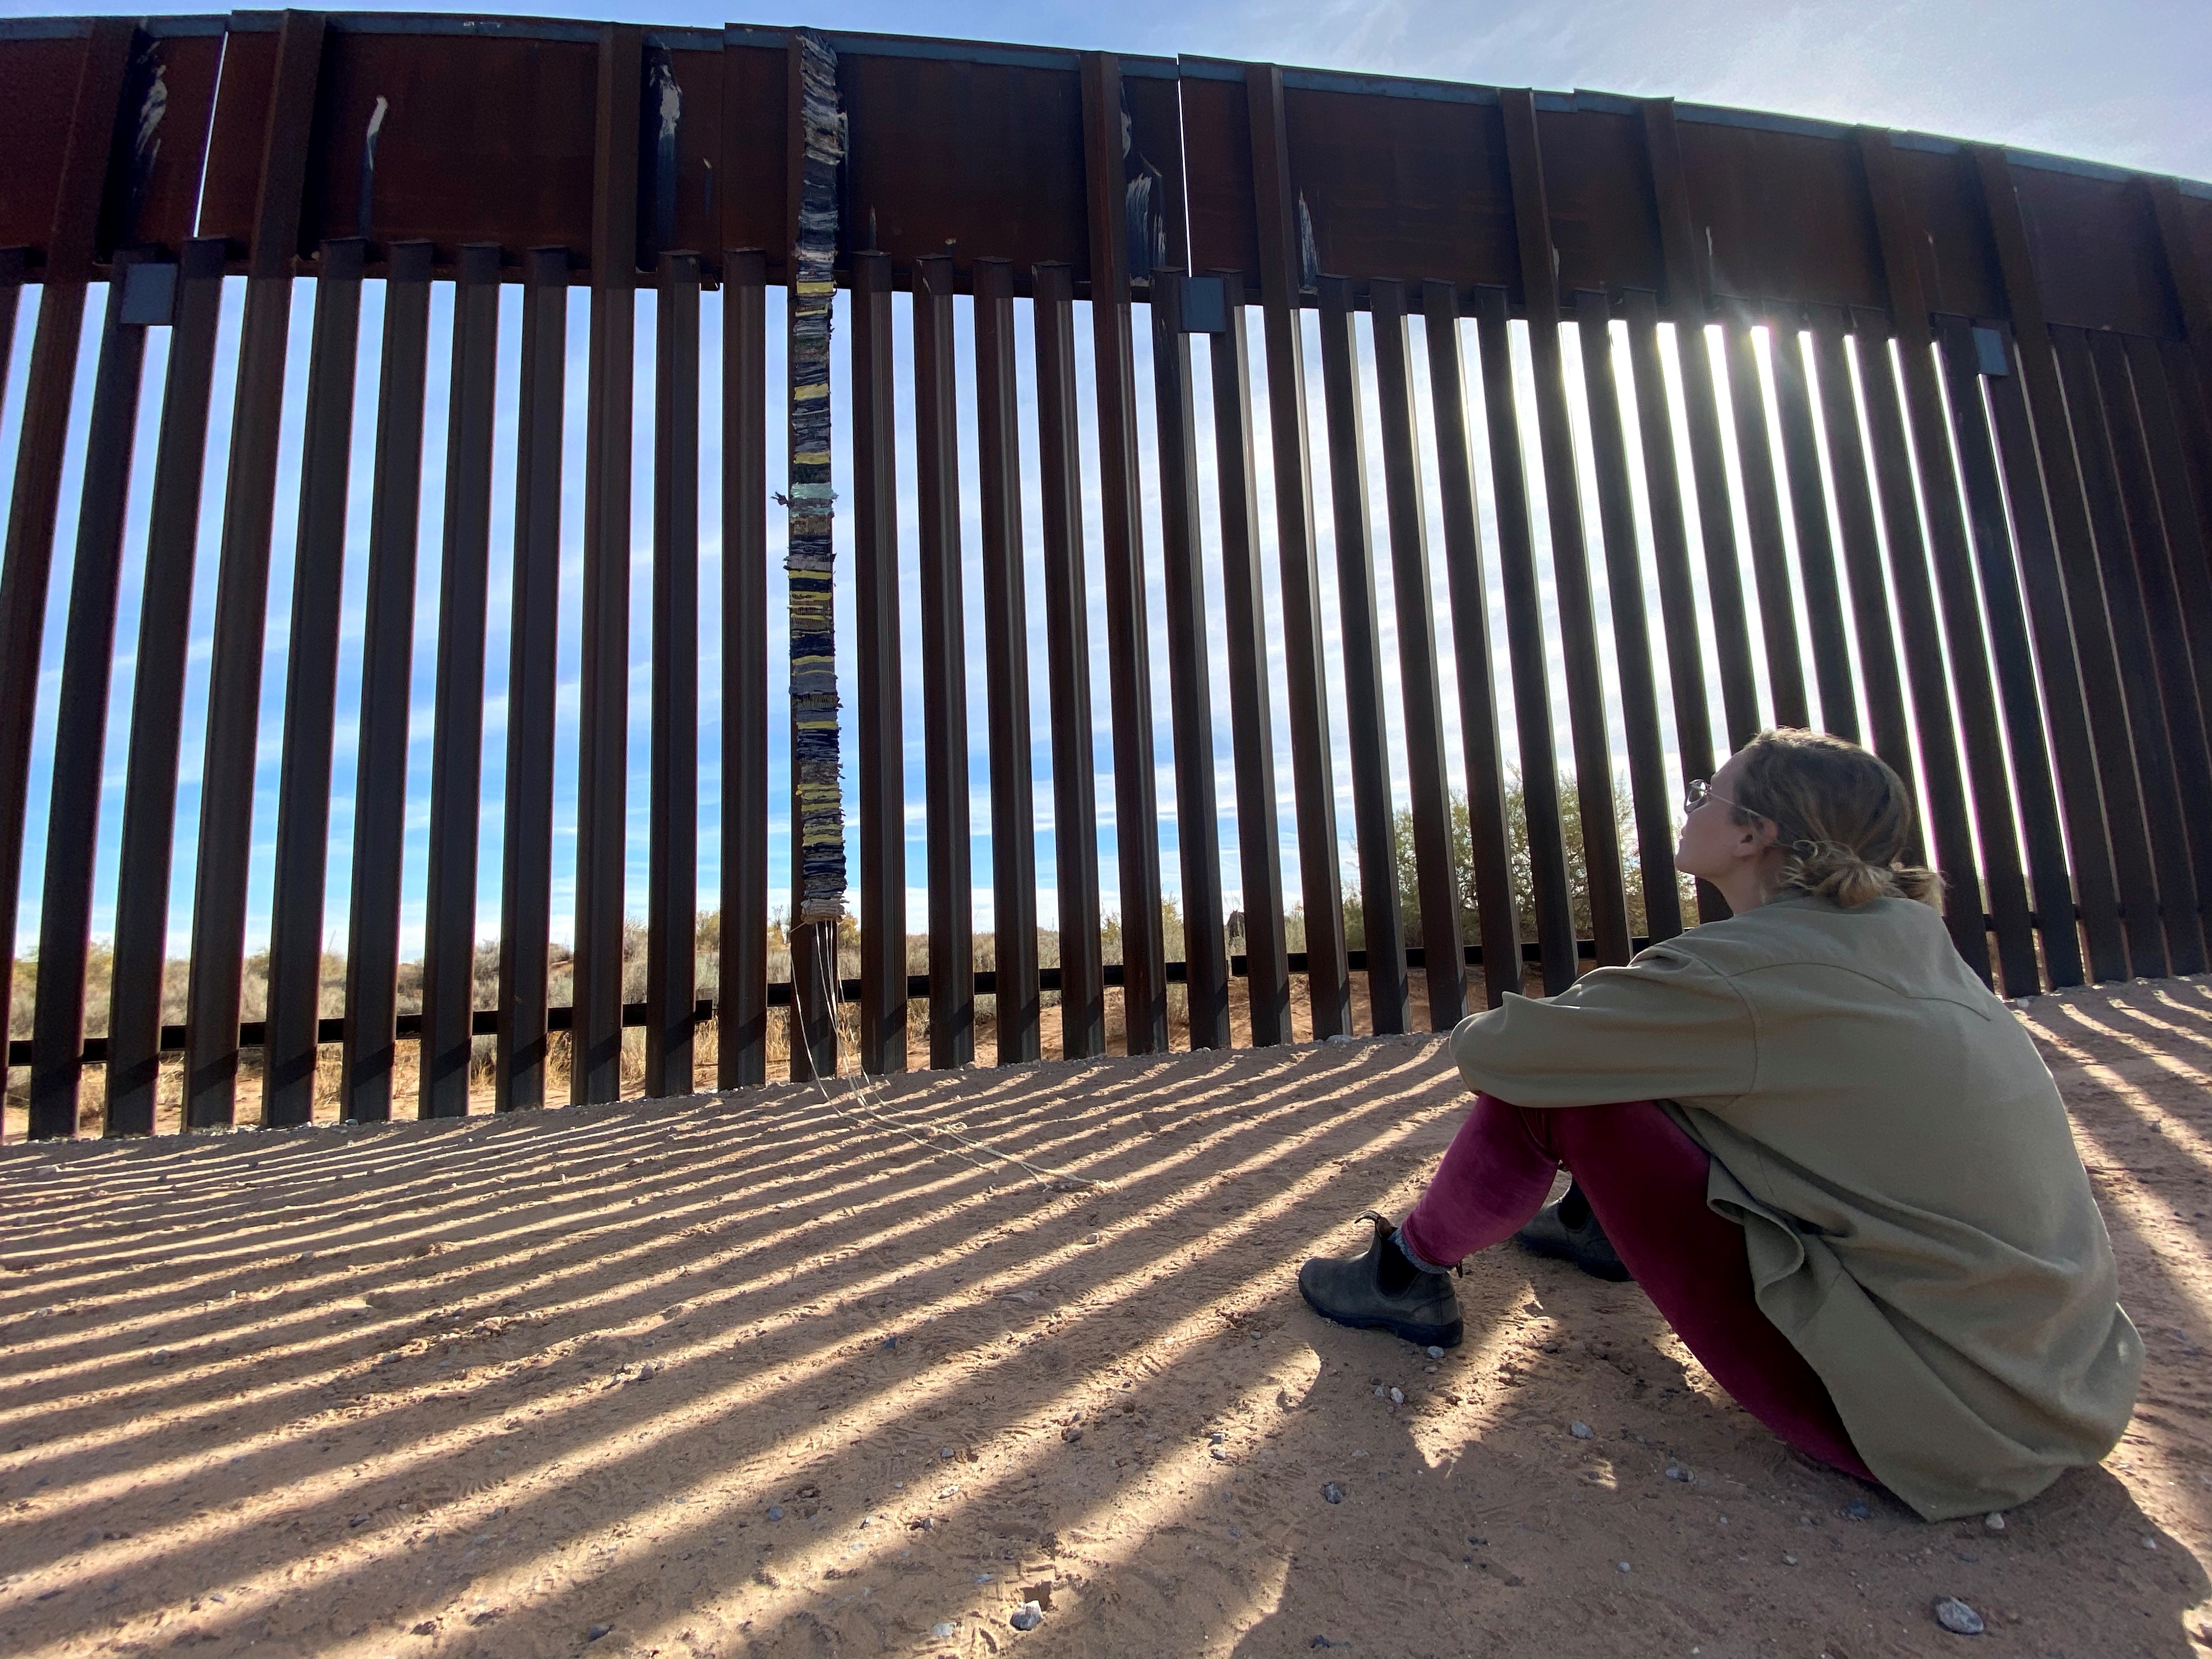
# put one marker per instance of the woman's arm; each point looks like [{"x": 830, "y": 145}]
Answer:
[{"x": 1666, "y": 1027}]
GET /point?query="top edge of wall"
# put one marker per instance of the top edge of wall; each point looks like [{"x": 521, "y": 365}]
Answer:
[{"x": 1141, "y": 67}]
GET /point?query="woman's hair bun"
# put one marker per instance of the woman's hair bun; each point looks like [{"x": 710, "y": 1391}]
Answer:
[{"x": 1841, "y": 813}]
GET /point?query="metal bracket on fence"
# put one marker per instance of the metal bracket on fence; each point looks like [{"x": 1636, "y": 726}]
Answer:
[{"x": 1205, "y": 306}]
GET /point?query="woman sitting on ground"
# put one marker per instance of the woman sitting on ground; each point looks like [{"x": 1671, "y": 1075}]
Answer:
[{"x": 1842, "y": 1172}]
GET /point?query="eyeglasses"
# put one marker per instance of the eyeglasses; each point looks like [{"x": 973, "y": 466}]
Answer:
[{"x": 1701, "y": 790}]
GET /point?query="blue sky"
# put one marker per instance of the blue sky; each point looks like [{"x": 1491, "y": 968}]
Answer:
[{"x": 2124, "y": 85}]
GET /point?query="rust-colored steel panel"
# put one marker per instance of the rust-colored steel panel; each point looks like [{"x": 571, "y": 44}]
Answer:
[
  {"x": 1781, "y": 214},
  {"x": 1943, "y": 807},
  {"x": 1005, "y": 645},
  {"x": 1570, "y": 550},
  {"x": 41, "y": 77},
  {"x": 1403, "y": 186},
  {"x": 679, "y": 143},
  {"x": 2064, "y": 710},
  {"x": 1216, "y": 135},
  {"x": 2195, "y": 214},
  {"x": 81, "y": 718},
  {"x": 672, "y": 882},
  {"x": 1998, "y": 569},
  {"x": 1182, "y": 579},
  {"x": 449, "y": 904},
  {"x": 1155, "y": 106},
  {"x": 1518, "y": 582},
  {"x": 449, "y": 139},
  {"x": 1688, "y": 296},
  {"x": 1136, "y": 803},
  {"x": 2149, "y": 587},
  {"x": 879, "y": 719},
  {"x": 2095, "y": 242},
  {"x": 750, "y": 176},
  {"x": 1367, "y": 738},
  {"x": 1067, "y": 645},
  {"x": 1769, "y": 559},
  {"x": 1604, "y": 220},
  {"x": 964, "y": 159},
  {"x": 1632, "y": 632},
  {"x": 526, "y": 858},
  {"x": 303, "y": 812},
  {"x": 1488, "y": 842},
  {"x": 150, "y": 799},
  {"x": 1958, "y": 262},
  {"x": 161, "y": 141},
  {"x": 1251, "y": 724},
  {"x": 235, "y": 134},
  {"x": 1670, "y": 559},
  {"x": 1428, "y": 783},
  {"x": 1282, "y": 276},
  {"x": 1890, "y": 736},
  {"x": 2185, "y": 227},
  {"x": 388, "y": 651},
  {"x": 944, "y": 670}
]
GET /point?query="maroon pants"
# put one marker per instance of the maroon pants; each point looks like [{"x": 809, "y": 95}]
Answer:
[{"x": 1645, "y": 1180}]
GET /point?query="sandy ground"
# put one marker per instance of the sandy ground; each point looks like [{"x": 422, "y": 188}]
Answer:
[{"x": 762, "y": 1375}]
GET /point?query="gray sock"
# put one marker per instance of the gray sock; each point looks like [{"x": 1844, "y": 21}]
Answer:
[{"x": 1398, "y": 1237}]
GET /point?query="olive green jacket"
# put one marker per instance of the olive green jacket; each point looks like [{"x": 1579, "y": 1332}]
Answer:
[{"x": 1917, "y": 1217}]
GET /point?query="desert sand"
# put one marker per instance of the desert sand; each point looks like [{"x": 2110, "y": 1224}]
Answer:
[{"x": 802, "y": 1372}]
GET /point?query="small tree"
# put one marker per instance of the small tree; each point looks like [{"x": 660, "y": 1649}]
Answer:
[{"x": 1524, "y": 880}]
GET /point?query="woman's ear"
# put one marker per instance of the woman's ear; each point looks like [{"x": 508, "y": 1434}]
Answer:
[{"x": 1753, "y": 838}]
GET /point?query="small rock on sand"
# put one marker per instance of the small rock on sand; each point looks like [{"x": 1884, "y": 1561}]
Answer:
[
  {"x": 1995, "y": 1521},
  {"x": 1028, "y": 1616},
  {"x": 944, "y": 1628},
  {"x": 1332, "y": 1493},
  {"x": 1582, "y": 1430},
  {"x": 1957, "y": 1617}
]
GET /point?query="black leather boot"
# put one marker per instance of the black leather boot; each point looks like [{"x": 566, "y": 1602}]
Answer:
[
  {"x": 1569, "y": 1231},
  {"x": 1384, "y": 1291}
]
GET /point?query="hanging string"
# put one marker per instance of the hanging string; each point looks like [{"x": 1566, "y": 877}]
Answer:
[{"x": 869, "y": 1105}]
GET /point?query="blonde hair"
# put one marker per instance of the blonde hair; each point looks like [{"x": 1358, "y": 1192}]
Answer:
[{"x": 1842, "y": 818}]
